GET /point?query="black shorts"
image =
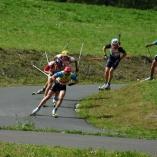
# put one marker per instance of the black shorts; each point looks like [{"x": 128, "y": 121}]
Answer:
[
  {"x": 155, "y": 58},
  {"x": 56, "y": 87},
  {"x": 113, "y": 62}
]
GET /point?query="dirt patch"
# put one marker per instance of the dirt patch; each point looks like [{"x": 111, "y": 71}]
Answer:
[
  {"x": 15, "y": 67},
  {"x": 129, "y": 69},
  {"x": 151, "y": 116}
]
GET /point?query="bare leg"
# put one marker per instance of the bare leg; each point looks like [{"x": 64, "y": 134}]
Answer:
[
  {"x": 59, "y": 101},
  {"x": 109, "y": 78},
  {"x": 106, "y": 77},
  {"x": 47, "y": 97},
  {"x": 42, "y": 90},
  {"x": 48, "y": 85},
  {"x": 153, "y": 65},
  {"x": 110, "y": 75},
  {"x": 42, "y": 102},
  {"x": 106, "y": 74},
  {"x": 45, "y": 86},
  {"x": 55, "y": 98}
]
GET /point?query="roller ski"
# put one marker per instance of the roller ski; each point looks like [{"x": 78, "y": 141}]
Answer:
[
  {"x": 54, "y": 114},
  {"x": 105, "y": 86},
  {"x": 40, "y": 91}
]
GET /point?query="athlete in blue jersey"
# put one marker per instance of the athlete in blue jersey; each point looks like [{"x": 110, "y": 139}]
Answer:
[
  {"x": 57, "y": 84},
  {"x": 154, "y": 62}
]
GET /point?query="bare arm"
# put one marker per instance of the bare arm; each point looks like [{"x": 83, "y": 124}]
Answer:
[
  {"x": 152, "y": 44},
  {"x": 108, "y": 46},
  {"x": 149, "y": 45},
  {"x": 104, "y": 50},
  {"x": 122, "y": 56}
]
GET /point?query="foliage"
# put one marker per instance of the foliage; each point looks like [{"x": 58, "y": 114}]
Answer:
[{"x": 141, "y": 4}]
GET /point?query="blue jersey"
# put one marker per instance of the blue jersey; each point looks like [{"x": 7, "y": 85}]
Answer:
[{"x": 64, "y": 78}]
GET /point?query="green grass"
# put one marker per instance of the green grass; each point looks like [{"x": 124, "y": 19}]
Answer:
[
  {"x": 18, "y": 150},
  {"x": 46, "y": 25},
  {"x": 130, "y": 111}
]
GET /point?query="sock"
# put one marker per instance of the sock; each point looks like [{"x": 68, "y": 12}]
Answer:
[
  {"x": 151, "y": 76},
  {"x": 108, "y": 83}
]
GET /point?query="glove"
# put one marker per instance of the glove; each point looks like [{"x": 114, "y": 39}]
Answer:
[
  {"x": 105, "y": 57},
  {"x": 70, "y": 84}
]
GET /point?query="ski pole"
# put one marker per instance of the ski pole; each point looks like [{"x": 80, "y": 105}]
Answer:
[
  {"x": 80, "y": 54},
  {"x": 46, "y": 57},
  {"x": 149, "y": 52},
  {"x": 40, "y": 70}
]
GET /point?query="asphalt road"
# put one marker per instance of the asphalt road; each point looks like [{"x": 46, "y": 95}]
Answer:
[{"x": 18, "y": 102}]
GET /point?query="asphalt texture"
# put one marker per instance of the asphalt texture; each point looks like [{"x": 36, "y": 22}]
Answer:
[{"x": 18, "y": 102}]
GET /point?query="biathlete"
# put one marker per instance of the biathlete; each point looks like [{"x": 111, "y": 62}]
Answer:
[
  {"x": 57, "y": 84},
  {"x": 67, "y": 60},
  {"x": 117, "y": 53},
  {"x": 50, "y": 69},
  {"x": 154, "y": 62}
]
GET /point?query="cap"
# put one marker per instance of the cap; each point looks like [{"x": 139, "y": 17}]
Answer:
[
  {"x": 64, "y": 52},
  {"x": 114, "y": 41},
  {"x": 67, "y": 69}
]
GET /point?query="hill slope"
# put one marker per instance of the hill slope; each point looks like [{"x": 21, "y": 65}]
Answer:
[{"x": 46, "y": 25}]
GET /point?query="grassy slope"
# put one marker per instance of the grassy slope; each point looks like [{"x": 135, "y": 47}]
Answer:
[
  {"x": 45, "y": 25},
  {"x": 130, "y": 111}
]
